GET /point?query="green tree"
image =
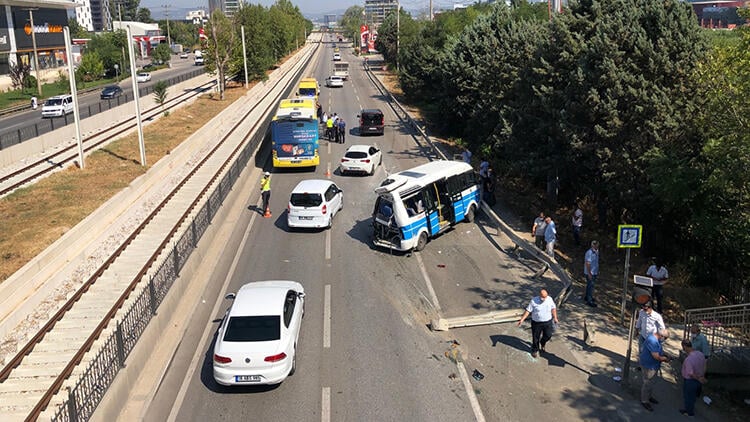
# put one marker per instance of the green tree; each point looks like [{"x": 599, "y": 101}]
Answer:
[
  {"x": 91, "y": 67},
  {"x": 160, "y": 95},
  {"x": 128, "y": 9},
  {"x": 76, "y": 30},
  {"x": 162, "y": 53},
  {"x": 185, "y": 33},
  {"x": 351, "y": 21},
  {"x": 258, "y": 40},
  {"x": 220, "y": 47},
  {"x": 144, "y": 15},
  {"x": 111, "y": 47}
]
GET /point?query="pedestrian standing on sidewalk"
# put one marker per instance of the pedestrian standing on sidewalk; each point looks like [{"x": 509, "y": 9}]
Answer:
[
  {"x": 591, "y": 272},
  {"x": 693, "y": 375},
  {"x": 543, "y": 313},
  {"x": 537, "y": 231},
  {"x": 577, "y": 221},
  {"x": 484, "y": 166},
  {"x": 651, "y": 358},
  {"x": 648, "y": 322},
  {"x": 659, "y": 274},
  {"x": 265, "y": 192},
  {"x": 699, "y": 340},
  {"x": 550, "y": 236},
  {"x": 34, "y": 103}
]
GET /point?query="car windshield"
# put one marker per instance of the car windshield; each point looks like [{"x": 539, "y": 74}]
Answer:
[
  {"x": 53, "y": 102},
  {"x": 253, "y": 328},
  {"x": 306, "y": 199},
  {"x": 355, "y": 154},
  {"x": 307, "y": 92}
]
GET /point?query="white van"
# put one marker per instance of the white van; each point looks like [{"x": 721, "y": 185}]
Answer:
[{"x": 57, "y": 106}]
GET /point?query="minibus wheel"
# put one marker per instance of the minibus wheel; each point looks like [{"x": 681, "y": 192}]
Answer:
[
  {"x": 471, "y": 214},
  {"x": 421, "y": 242}
]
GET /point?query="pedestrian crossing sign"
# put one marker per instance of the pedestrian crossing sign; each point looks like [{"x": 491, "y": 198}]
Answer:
[{"x": 629, "y": 236}]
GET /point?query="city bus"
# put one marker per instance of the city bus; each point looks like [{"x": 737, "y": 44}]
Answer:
[
  {"x": 416, "y": 205},
  {"x": 294, "y": 134}
]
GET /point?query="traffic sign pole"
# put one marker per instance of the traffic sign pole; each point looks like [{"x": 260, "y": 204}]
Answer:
[{"x": 625, "y": 286}]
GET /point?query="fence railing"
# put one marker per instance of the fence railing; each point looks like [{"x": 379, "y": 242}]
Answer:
[
  {"x": 84, "y": 397},
  {"x": 42, "y": 126},
  {"x": 725, "y": 327}
]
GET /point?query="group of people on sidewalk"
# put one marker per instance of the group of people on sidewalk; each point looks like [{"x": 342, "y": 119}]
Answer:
[{"x": 652, "y": 332}]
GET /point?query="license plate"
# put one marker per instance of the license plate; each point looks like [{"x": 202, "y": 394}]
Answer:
[
  {"x": 373, "y": 128},
  {"x": 247, "y": 378},
  {"x": 305, "y": 218}
]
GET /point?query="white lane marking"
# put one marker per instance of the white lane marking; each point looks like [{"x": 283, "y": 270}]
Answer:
[
  {"x": 327, "y": 317},
  {"x": 427, "y": 281},
  {"x": 328, "y": 245},
  {"x": 325, "y": 411},
  {"x": 199, "y": 352},
  {"x": 470, "y": 392}
]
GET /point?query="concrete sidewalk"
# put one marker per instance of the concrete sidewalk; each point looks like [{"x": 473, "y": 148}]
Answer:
[{"x": 591, "y": 387}]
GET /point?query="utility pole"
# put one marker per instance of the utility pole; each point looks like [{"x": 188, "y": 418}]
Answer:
[
  {"x": 398, "y": 29},
  {"x": 36, "y": 54},
  {"x": 430, "y": 10},
  {"x": 166, "y": 10}
]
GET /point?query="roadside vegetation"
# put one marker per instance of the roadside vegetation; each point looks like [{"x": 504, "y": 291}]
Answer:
[
  {"x": 628, "y": 107},
  {"x": 59, "y": 202}
]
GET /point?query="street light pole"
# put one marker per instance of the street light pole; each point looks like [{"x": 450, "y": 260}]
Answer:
[
  {"x": 169, "y": 39},
  {"x": 36, "y": 55}
]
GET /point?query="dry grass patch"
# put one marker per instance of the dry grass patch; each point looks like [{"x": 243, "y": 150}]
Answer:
[{"x": 36, "y": 216}]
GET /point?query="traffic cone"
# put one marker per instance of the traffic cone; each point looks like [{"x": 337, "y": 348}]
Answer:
[{"x": 267, "y": 214}]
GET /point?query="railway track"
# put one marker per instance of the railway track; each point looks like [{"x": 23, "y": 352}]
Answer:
[
  {"x": 57, "y": 160},
  {"x": 31, "y": 382}
]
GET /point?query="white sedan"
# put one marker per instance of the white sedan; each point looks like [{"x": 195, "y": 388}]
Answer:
[
  {"x": 335, "y": 81},
  {"x": 257, "y": 340},
  {"x": 336, "y": 57},
  {"x": 361, "y": 159},
  {"x": 143, "y": 77},
  {"x": 183, "y": 55}
]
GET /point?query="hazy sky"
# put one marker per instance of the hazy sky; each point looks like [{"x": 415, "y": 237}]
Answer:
[{"x": 307, "y": 7}]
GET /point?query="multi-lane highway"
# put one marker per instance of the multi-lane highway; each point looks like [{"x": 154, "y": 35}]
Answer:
[{"x": 365, "y": 351}]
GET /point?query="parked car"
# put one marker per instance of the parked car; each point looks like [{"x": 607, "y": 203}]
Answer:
[
  {"x": 314, "y": 203},
  {"x": 110, "y": 92},
  {"x": 143, "y": 77},
  {"x": 336, "y": 57},
  {"x": 335, "y": 81},
  {"x": 57, "y": 106},
  {"x": 361, "y": 159},
  {"x": 371, "y": 121},
  {"x": 257, "y": 340},
  {"x": 149, "y": 67},
  {"x": 184, "y": 55}
]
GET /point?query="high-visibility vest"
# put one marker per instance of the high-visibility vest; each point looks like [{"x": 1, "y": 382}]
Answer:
[
  {"x": 265, "y": 184},
  {"x": 329, "y": 123}
]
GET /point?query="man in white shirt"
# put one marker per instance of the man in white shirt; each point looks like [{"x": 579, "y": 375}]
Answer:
[
  {"x": 543, "y": 312},
  {"x": 659, "y": 274},
  {"x": 577, "y": 221},
  {"x": 649, "y": 322}
]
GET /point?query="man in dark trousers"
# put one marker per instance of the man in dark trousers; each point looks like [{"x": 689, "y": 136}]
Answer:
[
  {"x": 265, "y": 193},
  {"x": 342, "y": 130},
  {"x": 543, "y": 313}
]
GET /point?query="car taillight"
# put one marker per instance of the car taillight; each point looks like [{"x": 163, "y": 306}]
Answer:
[
  {"x": 382, "y": 120},
  {"x": 325, "y": 209},
  {"x": 275, "y": 358},
  {"x": 367, "y": 160},
  {"x": 289, "y": 207},
  {"x": 343, "y": 160},
  {"x": 221, "y": 359}
]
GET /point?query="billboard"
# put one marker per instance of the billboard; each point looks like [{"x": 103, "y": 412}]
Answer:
[
  {"x": 48, "y": 28},
  {"x": 367, "y": 38}
]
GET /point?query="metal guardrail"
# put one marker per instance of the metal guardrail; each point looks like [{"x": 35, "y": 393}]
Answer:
[
  {"x": 8, "y": 139},
  {"x": 14, "y": 109},
  {"x": 724, "y": 326},
  {"x": 550, "y": 263}
]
